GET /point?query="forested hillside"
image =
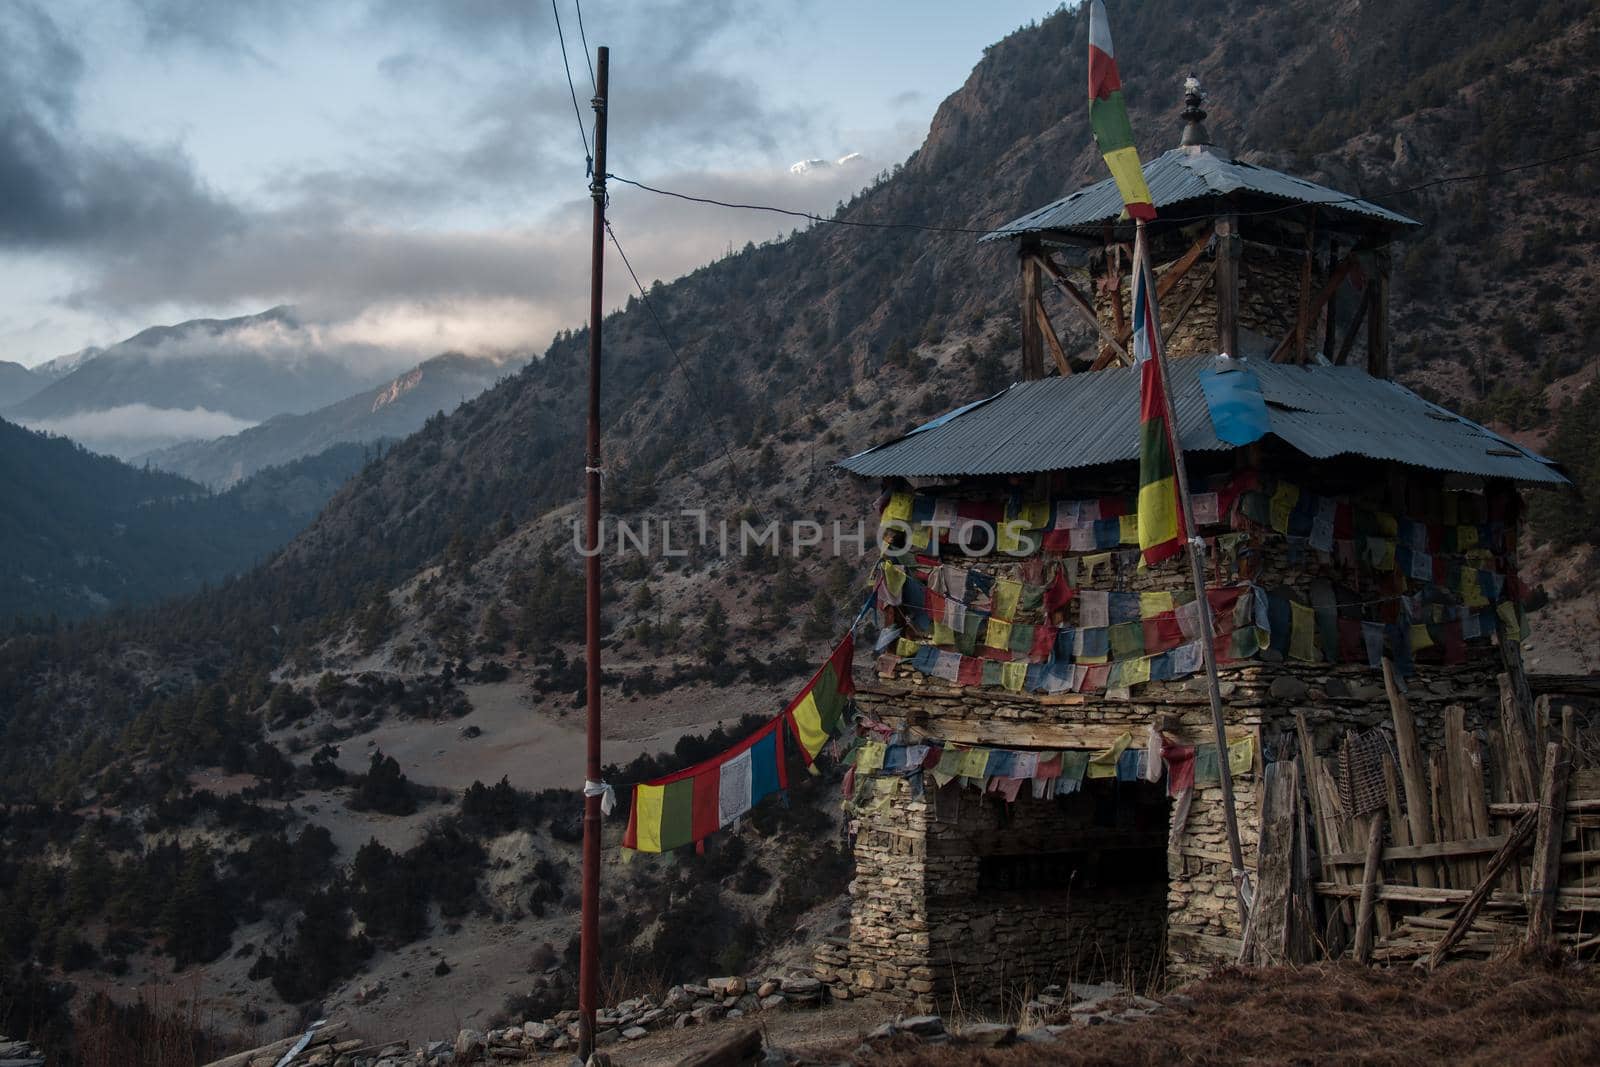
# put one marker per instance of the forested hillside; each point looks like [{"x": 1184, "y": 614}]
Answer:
[{"x": 82, "y": 532}]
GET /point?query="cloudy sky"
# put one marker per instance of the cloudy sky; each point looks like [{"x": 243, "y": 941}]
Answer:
[{"x": 409, "y": 173}]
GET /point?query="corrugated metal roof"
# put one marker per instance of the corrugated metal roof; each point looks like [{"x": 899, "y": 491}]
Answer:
[
  {"x": 1189, "y": 174},
  {"x": 1089, "y": 419}
]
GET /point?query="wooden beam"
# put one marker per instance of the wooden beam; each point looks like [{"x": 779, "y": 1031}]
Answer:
[
  {"x": 1572, "y": 807},
  {"x": 1475, "y": 900},
  {"x": 1565, "y": 684},
  {"x": 1228, "y": 242},
  {"x": 1378, "y": 320},
  {"x": 1194, "y": 294},
  {"x": 1369, "y": 889},
  {"x": 1051, "y": 340},
  {"x": 1477, "y": 846},
  {"x": 1355, "y": 328},
  {"x": 1082, "y": 305},
  {"x": 1032, "y": 339},
  {"x": 1302, "y": 323},
  {"x": 734, "y": 1050},
  {"x": 1332, "y": 310},
  {"x": 1411, "y": 771},
  {"x": 1547, "y": 847}
]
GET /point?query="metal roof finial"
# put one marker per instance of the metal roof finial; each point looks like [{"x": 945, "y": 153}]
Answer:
[{"x": 1194, "y": 116}]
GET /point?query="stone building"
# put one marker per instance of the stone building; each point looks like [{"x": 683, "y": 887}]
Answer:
[{"x": 1367, "y": 523}]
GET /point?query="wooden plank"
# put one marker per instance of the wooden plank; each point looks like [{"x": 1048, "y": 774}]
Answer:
[
  {"x": 1399, "y": 829},
  {"x": 1547, "y": 847},
  {"x": 1475, "y": 900},
  {"x": 1443, "y": 819},
  {"x": 1369, "y": 889},
  {"x": 1027, "y": 734},
  {"x": 1271, "y": 916},
  {"x": 1571, "y": 807},
  {"x": 1473, "y": 807},
  {"x": 1325, "y": 845},
  {"x": 1052, "y": 342},
  {"x": 1566, "y": 900},
  {"x": 1521, "y": 777},
  {"x": 1480, "y": 846},
  {"x": 1418, "y": 819},
  {"x": 1337, "y": 829}
]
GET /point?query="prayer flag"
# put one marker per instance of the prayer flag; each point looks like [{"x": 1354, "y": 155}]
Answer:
[
  {"x": 1108, "y": 114},
  {"x": 689, "y": 806},
  {"x": 813, "y": 714},
  {"x": 1160, "y": 523}
]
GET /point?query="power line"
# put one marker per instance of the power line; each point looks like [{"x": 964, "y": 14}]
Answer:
[
  {"x": 798, "y": 214},
  {"x": 834, "y": 221},
  {"x": 576, "y": 110},
  {"x": 694, "y": 385},
  {"x": 585, "y": 39}
]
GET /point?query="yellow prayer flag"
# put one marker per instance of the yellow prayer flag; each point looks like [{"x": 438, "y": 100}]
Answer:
[
  {"x": 1135, "y": 671},
  {"x": 894, "y": 578},
  {"x": 905, "y": 647},
  {"x": 1466, "y": 538},
  {"x": 898, "y": 508},
  {"x": 1104, "y": 764},
  {"x": 1420, "y": 637},
  {"x": 997, "y": 634},
  {"x": 1386, "y": 523},
  {"x": 647, "y": 801},
  {"x": 1013, "y": 675},
  {"x": 1153, "y": 604},
  {"x": 1007, "y": 592},
  {"x": 1302, "y": 633},
  {"x": 1508, "y": 618},
  {"x": 870, "y": 757},
  {"x": 974, "y": 761},
  {"x": 1241, "y": 755},
  {"x": 808, "y": 723},
  {"x": 921, "y": 536},
  {"x": 1283, "y": 502},
  {"x": 942, "y": 634},
  {"x": 1128, "y": 529}
]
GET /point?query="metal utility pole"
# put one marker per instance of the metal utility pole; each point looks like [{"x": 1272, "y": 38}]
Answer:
[{"x": 589, "y": 934}]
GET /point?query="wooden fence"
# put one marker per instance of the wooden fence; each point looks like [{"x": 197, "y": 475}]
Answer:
[{"x": 1391, "y": 853}]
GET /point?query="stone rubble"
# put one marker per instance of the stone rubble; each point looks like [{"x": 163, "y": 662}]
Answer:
[{"x": 682, "y": 1006}]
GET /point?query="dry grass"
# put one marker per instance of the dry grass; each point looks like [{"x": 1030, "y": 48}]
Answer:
[{"x": 1514, "y": 1011}]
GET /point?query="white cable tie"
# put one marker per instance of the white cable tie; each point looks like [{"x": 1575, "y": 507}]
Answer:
[
  {"x": 1197, "y": 543},
  {"x": 603, "y": 790}
]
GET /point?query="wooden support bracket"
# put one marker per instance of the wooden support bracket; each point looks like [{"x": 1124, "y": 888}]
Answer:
[{"x": 1084, "y": 308}]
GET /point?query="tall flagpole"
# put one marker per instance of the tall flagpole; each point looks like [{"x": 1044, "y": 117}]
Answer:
[
  {"x": 589, "y": 929},
  {"x": 1141, "y": 255}
]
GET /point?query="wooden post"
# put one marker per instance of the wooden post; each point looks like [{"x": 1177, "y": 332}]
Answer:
[
  {"x": 1522, "y": 776},
  {"x": 1369, "y": 889},
  {"x": 1378, "y": 320},
  {"x": 1051, "y": 340},
  {"x": 1411, "y": 771},
  {"x": 1547, "y": 847},
  {"x": 1330, "y": 319},
  {"x": 1032, "y": 336},
  {"x": 1227, "y": 284},
  {"x": 1301, "y": 326},
  {"x": 1273, "y": 923}
]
